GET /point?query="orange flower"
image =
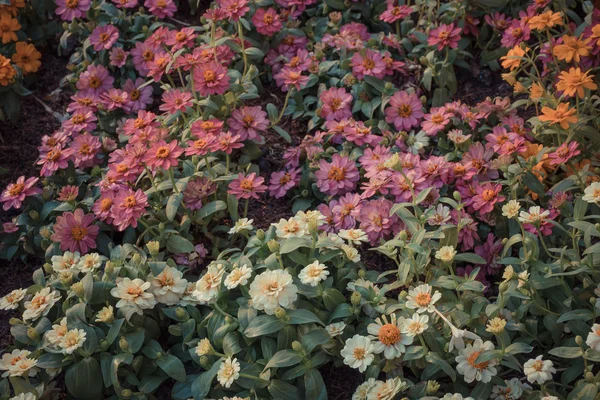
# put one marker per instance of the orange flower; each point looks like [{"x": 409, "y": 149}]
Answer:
[
  {"x": 572, "y": 48},
  {"x": 575, "y": 81},
  {"x": 584, "y": 165},
  {"x": 596, "y": 34},
  {"x": 562, "y": 115},
  {"x": 545, "y": 20},
  {"x": 7, "y": 71},
  {"x": 8, "y": 27},
  {"x": 519, "y": 88},
  {"x": 512, "y": 59},
  {"x": 27, "y": 58},
  {"x": 13, "y": 8},
  {"x": 536, "y": 91}
]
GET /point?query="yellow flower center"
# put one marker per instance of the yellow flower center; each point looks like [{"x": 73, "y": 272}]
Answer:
[
  {"x": 423, "y": 299},
  {"x": 389, "y": 334},
  {"x": 16, "y": 189},
  {"x": 78, "y": 233},
  {"x": 336, "y": 174}
]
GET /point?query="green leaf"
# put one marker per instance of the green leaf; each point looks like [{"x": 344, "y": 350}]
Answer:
[
  {"x": 533, "y": 183},
  {"x": 177, "y": 244},
  {"x": 314, "y": 385},
  {"x": 202, "y": 384},
  {"x": 292, "y": 244},
  {"x": 173, "y": 205},
  {"x": 83, "y": 379},
  {"x": 282, "y": 390},
  {"x": 314, "y": 338},
  {"x": 332, "y": 298},
  {"x": 172, "y": 366},
  {"x": 284, "y": 358},
  {"x": 470, "y": 258},
  {"x": 435, "y": 359},
  {"x": 272, "y": 112},
  {"x": 297, "y": 317},
  {"x": 566, "y": 352},
  {"x": 580, "y": 315},
  {"x": 212, "y": 208},
  {"x": 263, "y": 325},
  {"x": 518, "y": 348},
  {"x": 283, "y": 133}
]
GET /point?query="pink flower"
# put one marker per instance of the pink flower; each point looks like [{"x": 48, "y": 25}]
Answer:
[
  {"x": 367, "y": 62},
  {"x": 564, "y": 153},
  {"x": 395, "y": 13},
  {"x": 163, "y": 155},
  {"x": 142, "y": 56},
  {"x": 248, "y": 122},
  {"x": 490, "y": 250},
  {"x": 180, "y": 39},
  {"x": 75, "y": 231},
  {"x": 211, "y": 127},
  {"x": 267, "y": 22},
  {"x": 196, "y": 191},
  {"x": 200, "y": 146},
  {"x": 282, "y": 181},
  {"x": 245, "y": 187},
  {"x": 104, "y": 37},
  {"x": 404, "y": 110},
  {"x": 444, "y": 35},
  {"x": 516, "y": 33},
  {"x": 346, "y": 211},
  {"x": 81, "y": 120},
  {"x": 375, "y": 219},
  {"x": 10, "y": 227},
  {"x": 337, "y": 177},
  {"x": 227, "y": 142},
  {"x": 114, "y": 99},
  {"x": 125, "y": 3},
  {"x": 158, "y": 66},
  {"x": 84, "y": 99},
  {"x": 102, "y": 208},
  {"x": 436, "y": 121},
  {"x": 211, "y": 78},
  {"x": 128, "y": 207},
  {"x": 336, "y": 104},
  {"x": 161, "y": 8},
  {"x": 286, "y": 78},
  {"x": 53, "y": 160},
  {"x": 118, "y": 57},
  {"x": 71, "y": 9},
  {"x": 175, "y": 100},
  {"x": 234, "y": 9},
  {"x": 96, "y": 78},
  {"x": 139, "y": 99},
  {"x": 487, "y": 196},
  {"x": 68, "y": 193},
  {"x": 15, "y": 193}
]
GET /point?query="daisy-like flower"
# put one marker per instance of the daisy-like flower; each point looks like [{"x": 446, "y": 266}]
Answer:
[
  {"x": 564, "y": 153},
  {"x": 248, "y": 122},
  {"x": 242, "y": 225},
  {"x": 118, "y": 58},
  {"x": 446, "y": 254},
  {"x": 358, "y": 352},
  {"x": 89, "y": 262},
  {"x": 40, "y": 304},
  {"x": 443, "y": 36},
  {"x": 18, "y": 363},
  {"x": 71, "y": 9},
  {"x": 572, "y": 49},
  {"x": 538, "y": 370},
  {"x": 234, "y": 9},
  {"x": 204, "y": 347},
  {"x": 591, "y": 194},
  {"x": 282, "y": 181},
  {"x": 267, "y": 22},
  {"x": 420, "y": 298},
  {"x": 210, "y": 78},
  {"x": 27, "y": 57},
  {"x": 163, "y": 155},
  {"x": 513, "y": 58},
  {"x": 545, "y": 20},
  {"x": 133, "y": 296},
  {"x": 496, "y": 325},
  {"x": 404, "y": 110},
  {"x": 511, "y": 209},
  {"x": 336, "y": 104},
  {"x": 416, "y": 324},
  {"x": 533, "y": 215},
  {"x": 238, "y": 277},
  {"x": 351, "y": 253},
  {"x": 487, "y": 196},
  {"x": 468, "y": 366},
  {"x": 290, "y": 228},
  {"x": 106, "y": 315},
  {"x": 208, "y": 287},
  {"x": 575, "y": 81},
  {"x": 367, "y": 62},
  {"x": 455, "y": 396},
  {"x": 168, "y": 286},
  {"x": 247, "y": 186},
  {"x": 68, "y": 261},
  {"x": 362, "y": 391},
  {"x": 354, "y": 236},
  {"x": 273, "y": 289},
  {"x": 387, "y": 390},
  {"x": 128, "y": 206},
  {"x": 11, "y": 300},
  {"x": 161, "y": 8},
  {"x": 562, "y": 115},
  {"x": 512, "y": 390},
  {"x": 335, "y": 329},
  {"x": 395, "y": 13},
  {"x": 338, "y": 176},
  {"x": 15, "y": 193},
  {"x": 229, "y": 371},
  {"x": 313, "y": 273},
  {"x": 104, "y": 37},
  {"x": 76, "y": 231},
  {"x": 72, "y": 340},
  {"x": 389, "y": 337},
  {"x": 175, "y": 100}
]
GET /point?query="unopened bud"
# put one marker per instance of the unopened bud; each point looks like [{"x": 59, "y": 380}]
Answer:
[
  {"x": 389, "y": 86},
  {"x": 33, "y": 334},
  {"x": 153, "y": 247},
  {"x": 457, "y": 196},
  {"x": 34, "y": 215},
  {"x": 260, "y": 234},
  {"x": 355, "y": 298},
  {"x": 45, "y": 233},
  {"x": 403, "y": 235},
  {"x": 432, "y": 387},
  {"x": 126, "y": 393},
  {"x": 136, "y": 259},
  {"x": 77, "y": 287},
  {"x": 297, "y": 346},
  {"x": 180, "y": 313},
  {"x": 109, "y": 268},
  {"x": 361, "y": 273},
  {"x": 280, "y": 312},
  {"x": 273, "y": 245},
  {"x": 48, "y": 268},
  {"x": 15, "y": 321},
  {"x": 589, "y": 376},
  {"x": 123, "y": 344},
  {"x": 578, "y": 340}
]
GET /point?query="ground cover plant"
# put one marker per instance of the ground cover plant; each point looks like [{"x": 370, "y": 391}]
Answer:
[{"x": 441, "y": 249}]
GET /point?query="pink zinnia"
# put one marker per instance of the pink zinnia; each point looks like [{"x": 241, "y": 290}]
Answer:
[
  {"x": 346, "y": 211},
  {"x": 234, "y": 9},
  {"x": 227, "y": 142},
  {"x": 516, "y": 33},
  {"x": 267, "y": 22},
  {"x": 200, "y": 146},
  {"x": 245, "y": 187},
  {"x": 248, "y": 122},
  {"x": 81, "y": 120},
  {"x": 336, "y": 104},
  {"x": 375, "y": 219},
  {"x": 404, "y": 110},
  {"x": 10, "y": 227},
  {"x": 487, "y": 196},
  {"x": 161, "y": 8},
  {"x": 444, "y": 35},
  {"x": 114, "y": 99},
  {"x": 337, "y": 177},
  {"x": 71, "y": 9},
  {"x": 118, "y": 57},
  {"x": 75, "y": 231},
  {"x": 68, "y": 193},
  {"x": 139, "y": 99},
  {"x": 211, "y": 78},
  {"x": 282, "y": 181},
  {"x": 197, "y": 190},
  {"x": 125, "y": 3},
  {"x": 104, "y": 37},
  {"x": 163, "y": 155},
  {"x": 142, "y": 56},
  {"x": 395, "y": 13},
  {"x": 564, "y": 153},
  {"x": 434, "y": 122},
  {"x": 128, "y": 207},
  {"x": 175, "y": 100},
  {"x": 15, "y": 193},
  {"x": 53, "y": 160},
  {"x": 287, "y": 78},
  {"x": 95, "y": 78},
  {"x": 102, "y": 208},
  {"x": 180, "y": 39},
  {"x": 367, "y": 62}
]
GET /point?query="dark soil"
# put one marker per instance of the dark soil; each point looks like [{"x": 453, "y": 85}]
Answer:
[
  {"x": 476, "y": 85},
  {"x": 341, "y": 382}
]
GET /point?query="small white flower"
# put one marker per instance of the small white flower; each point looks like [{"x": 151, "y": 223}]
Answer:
[
  {"x": 90, "y": 262},
  {"x": 351, "y": 253},
  {"x": 11, "y": 300},
  {"x": 458, "y": 338},
  {"x": 511, "y": 209},
  {"x": 387, "y": 390},
  {"x": 358, "y": 352},
  {"x": 446, "y": 254},
  {"x": 40, "y": 304},
  {"x": 534, "y": 214},
  {"x": 208, "y": 287},
  {"x": 65, "y": 262},
  {"x": 24, "y": 396},
  {"x": 273, "y": 289},
  {"x": 538, "y": 370},
  {"x": 470, "y": 368},
  {"x": 593, "y": 338},
  {"x": 242, "y": 225},
  {"x": 354, "y": 236},
  {"x": 168, "y": 286},
  {"x": 18, "y": 363},
  {"x": 362, "y": 391},
  {"x": 335, "y": 329},
  {"x": 313, "y": 273},
  {"x": 440, "y": 216},
  {"x": 416, "y": 142},
  {"x": 105, "y": 315},
  {"x": 204, "y": 347},
  {"x": 229, "y": 371},
  {"x": 133, "y": 296},
  {"x": 58, "y": 331},
  {"x": 416, "y": 324},
  {"x": 512, "y": 390},
  {"x": 420, "y": 298},
  {"x": 389, "y": 336},
  {"x": 188, "y": 298},
  {"x": 457, "y": 136},
  {"x": 455, "y": 396},
  {"x": 238, "y": 277},
  {"x": 290, "y": 228},
  {"x": 311, "y": 217},
  {"x": 591, "y": 194},
  {"x": 72, "y": 340}
]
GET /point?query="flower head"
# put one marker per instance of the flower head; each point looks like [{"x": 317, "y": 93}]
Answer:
[
  {"x": 273, "y": 289},
  {"x": 76, "y": 231}
]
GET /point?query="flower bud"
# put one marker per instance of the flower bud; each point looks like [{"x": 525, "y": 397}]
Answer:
[
  {"x": 48, "y": 268},
  {"x": 34, "y": 215},
  {"x": 260, "y": 234},
  {"x": 280, "y": 312},
  {"x": 335, "y": 17},
  {"x": 180, "y": 313},
  {"x": 355, "y": 298},
  {"x": 66, "y": 278},
  {"x": 578, "y": 340},
  {"x": 15, "y": 321},
  {"x": 457, "y": 196},
  {"x": 305, "y": 193},
  {"x": 361, "y": 273},
  {"x": 136, "y": 259},
  {"x": 33, "y": 334},
  {"x": 123, "y": 344},
  {"x": 126, "y": 393},
  {"x": 45, "y": 232},
  {"x": 297, "y": 346},
  {"x": 109, "y": 268},
  {"x": 153, "y": 247},
  {"x": 77, "y": 287},
  {"x": 403, "y": 235},
  {"x": 273, "y": 245},
  {"x": 388, "y": 86},
  {"x": 432, "y": 387},
  {"x": 593, "y": 301},
  {"x": 589, "y": 377}
]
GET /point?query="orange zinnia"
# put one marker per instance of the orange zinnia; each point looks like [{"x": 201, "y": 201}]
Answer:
[
  {"x": 575, "y": 81},
  {"x": 7, "y": 71},
  {"x": 536, "y": 91},
  {"x": 572, "y": 48},
  {"x": 512, "y": 59},
  {"x": 8, "y": 27},
  {"x": 545, "y": 20},
  {"x": 27, "y": 58},
  {"x": 596, "y": 34},
  {"x": 562, "y": 115}
]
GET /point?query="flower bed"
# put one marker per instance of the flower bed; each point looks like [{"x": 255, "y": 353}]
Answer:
[{"x": 483, "y": 216}]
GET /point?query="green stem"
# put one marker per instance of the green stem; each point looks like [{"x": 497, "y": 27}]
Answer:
[
  {"x": 241, "y": 34},
  {"x": 285, "y": 103}
]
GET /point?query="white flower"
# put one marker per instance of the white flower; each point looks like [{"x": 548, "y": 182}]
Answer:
[
  {"x": 446, "y": 254},
  {"x": 354, "y": 236},
  {"x": 229, "y": 371},
  {"x": 386, "y": 390},
  {"x": 511, "y": 209},
  {"x": 105, "y": 315},
  {"x": 457, "y": 136},
  {"x": 330, "y": 241},
  {"x": 533, "y": 215},
  {"x": 313, "y": 217},
  {"x": 18, "y": 363},
  {"x": 133, "y": 296},
  {"x": 523, "y": 278},
  {"x": 469, "y": 368},
  {"x": 351, "y": 253},
  {"x": 313, "y": 273},
  {"x": 390, "y": 339},
  {"x": 512, "y": 390},
  {"x": 290, "y": 228},
  {"x": 458, "y": 338},
  {"x": 335, "y": 329},
  {"x": 188, "y": 298},
  {"x": 242, "y": 225},
  {"x": 440, "y": 216},
  {"x": 416, "y": 142},
  {"x": 11, "y": 300},
  {"x": 73, "y": 340},
  {"x": 238, "y": 277},
  {"x": 455, "y": 396},
  {"x": 273, "y": 289},
  {"x": 362, "y": 391},
  {"x": 65, "y": 262},
  {"x": 538, "y": 370},
  {"x": 90, "y": 262},
  {"x": 549, "y": 398},
  {"x": 204, "y": 347},
  {"x": 358, "y": 352},
  {"x": 168, "y": 286},
  {"x": 40, "y": 304},
  {"x": 208, "y": 287},
  {"x": 416, "y": 324},
  {"x": 420, "y": 298},
  {"x": 591, "y": 194},
  {"x": 58, "y": 331},
  {"x": 24, "y": 396},
  {"x": 593, "y": 338}
]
